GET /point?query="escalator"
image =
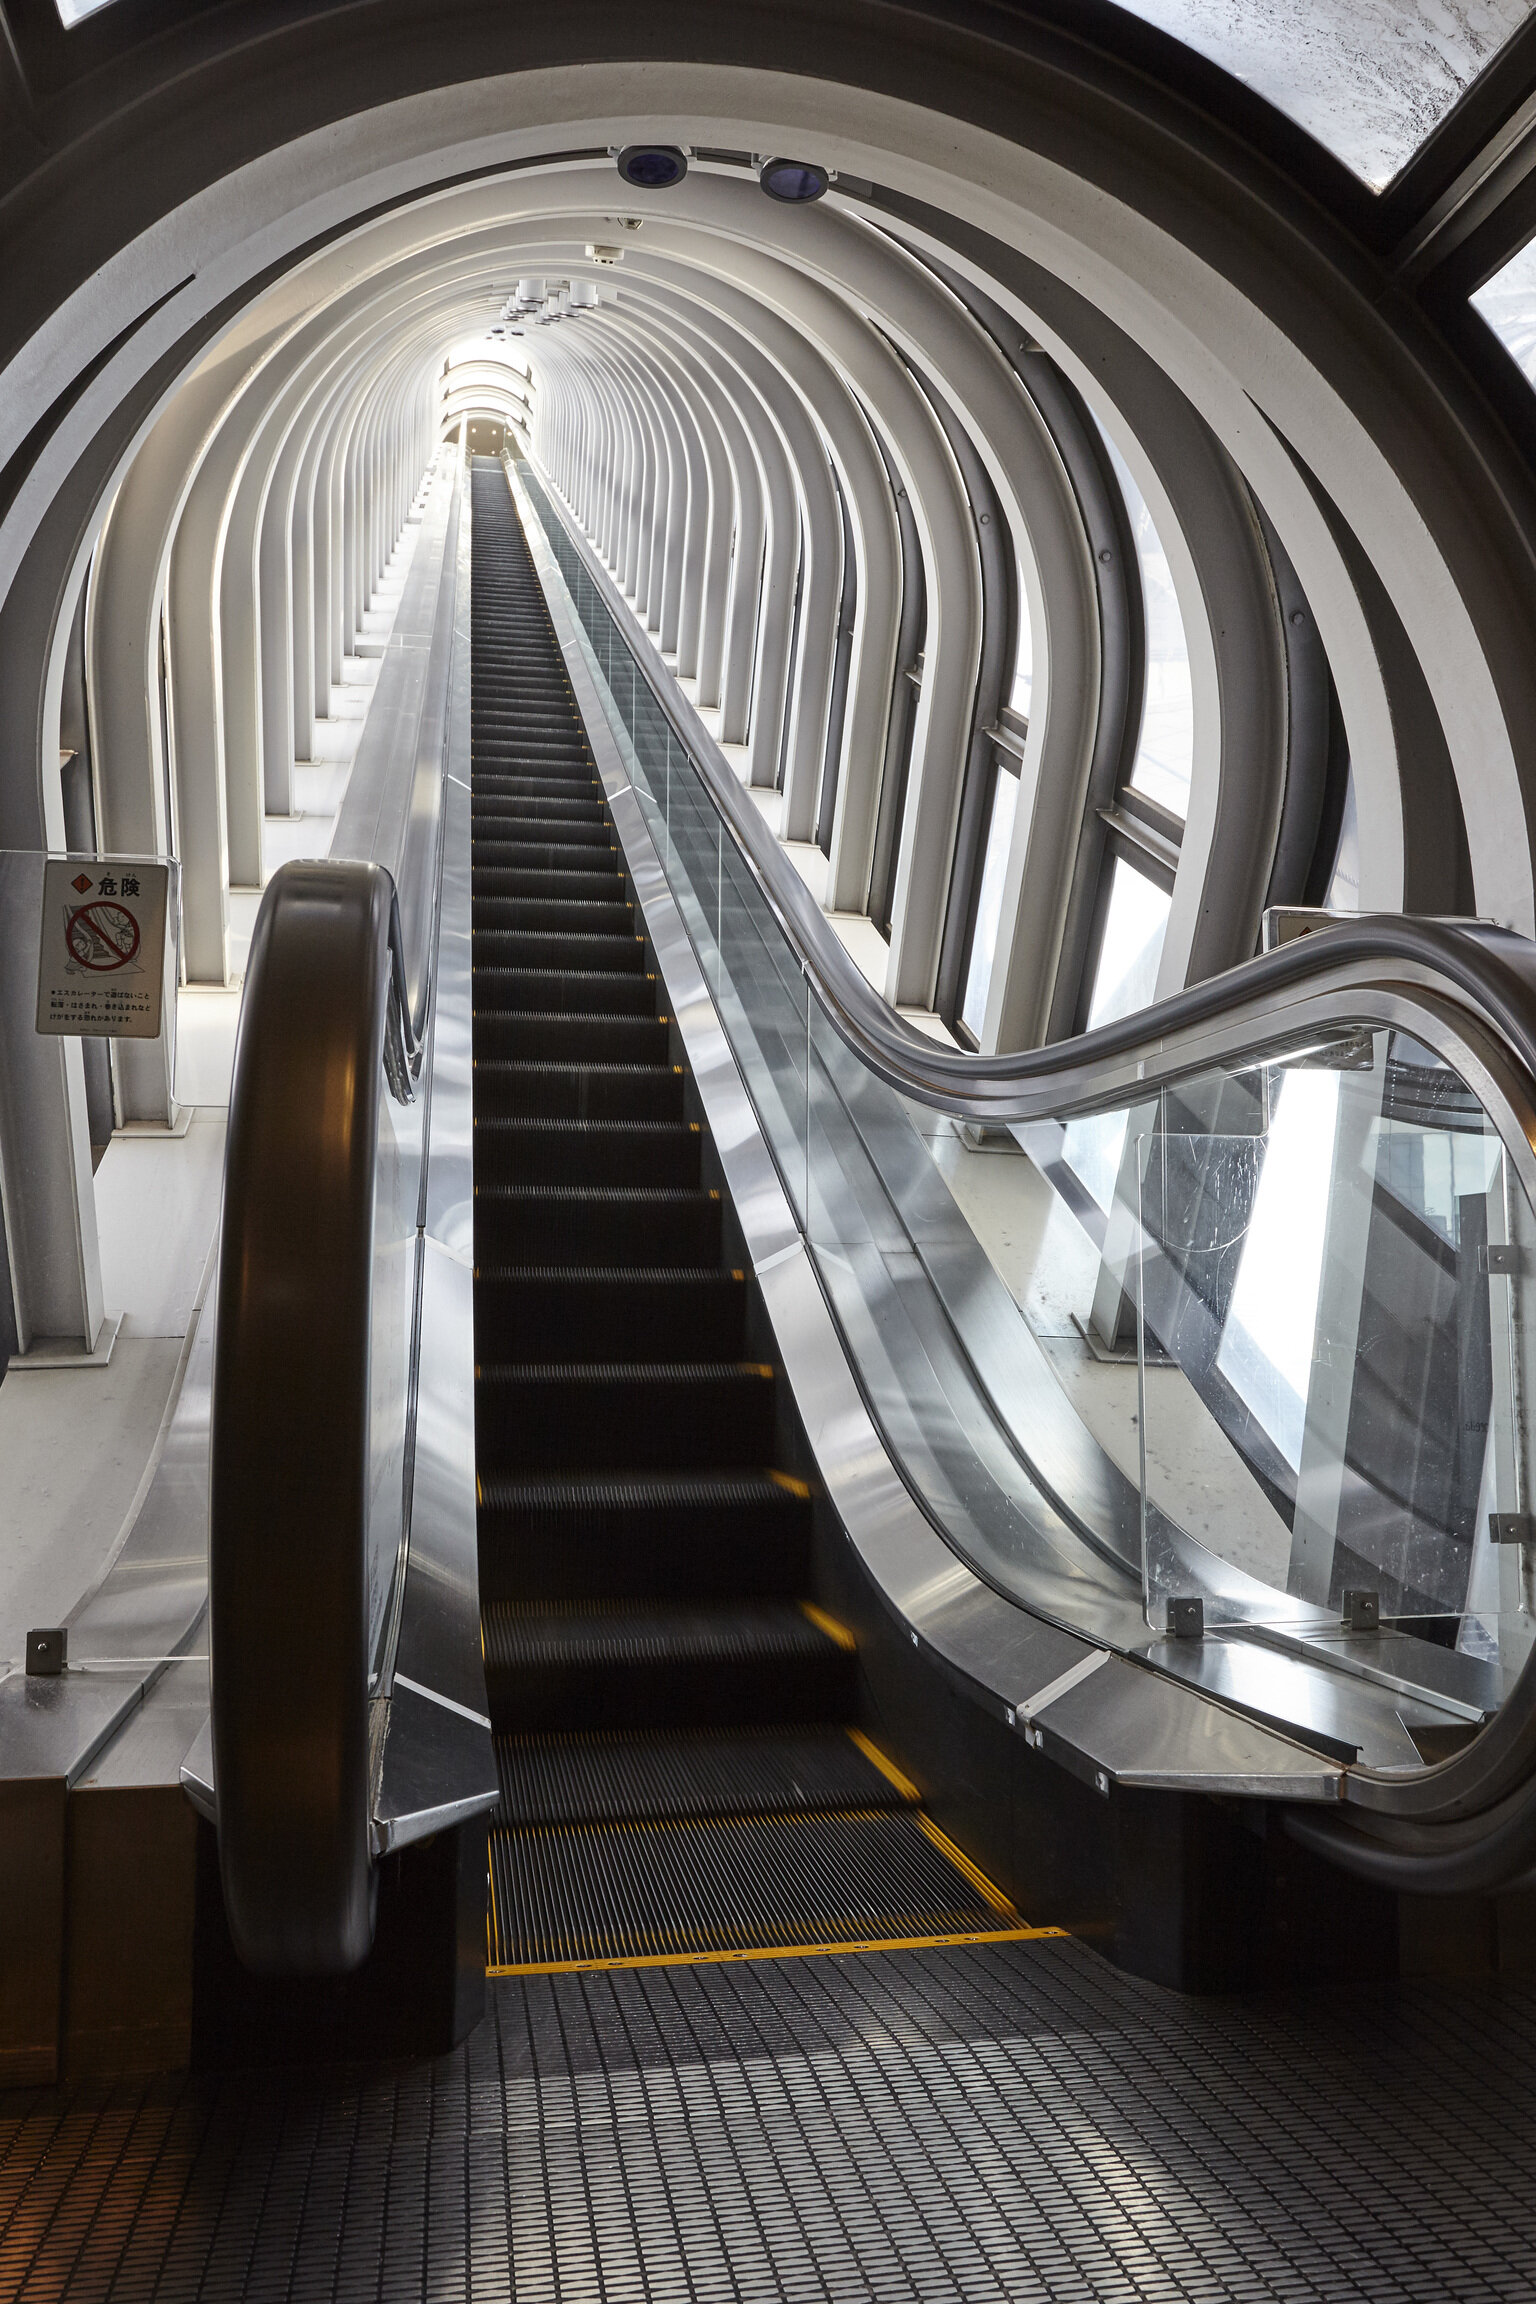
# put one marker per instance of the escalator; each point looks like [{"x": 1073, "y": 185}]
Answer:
[
  {"x": 675, "y": 1324},
  {"x": 674, "y": 1716}
]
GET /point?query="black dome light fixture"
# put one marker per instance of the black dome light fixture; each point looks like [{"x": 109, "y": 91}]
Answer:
[
  {"x": 652, "y": 167},
  {"x": 793, "y": 181}
]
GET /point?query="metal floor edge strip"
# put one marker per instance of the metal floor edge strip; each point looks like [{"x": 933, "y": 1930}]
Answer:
[{"x": 715, "y": 1959}]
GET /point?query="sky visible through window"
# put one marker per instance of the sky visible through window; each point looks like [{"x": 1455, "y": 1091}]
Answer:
[
  {"x": 1267, "y": 1346},
  {"x": 1023, "y": 651},
  {"x": 1508, "y": 303},
  {"x": 989, "y": 902},
  {"x": 1165, "y": 749},
  {"x": 1134, "y": 927}
]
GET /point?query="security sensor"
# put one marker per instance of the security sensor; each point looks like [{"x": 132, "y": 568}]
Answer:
[
  {"x": 793, "y": 180},
  {"x": 602, "y": 253},
  {"x": 652, "y": 167}
]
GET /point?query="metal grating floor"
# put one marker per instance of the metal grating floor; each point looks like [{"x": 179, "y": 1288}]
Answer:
[{"x": 1012, "y": 2124}]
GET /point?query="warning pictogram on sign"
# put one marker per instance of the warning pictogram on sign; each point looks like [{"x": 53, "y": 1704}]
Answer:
[{"x": 101, "y": 963}]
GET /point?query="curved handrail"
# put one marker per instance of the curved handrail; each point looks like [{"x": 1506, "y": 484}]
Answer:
[
  {"x": 1490, "y": 970},
  {"x": 1466, "y": 1821},
  {"x": 318, "y": 1330},
  {"x": 291, "y": 1469}
]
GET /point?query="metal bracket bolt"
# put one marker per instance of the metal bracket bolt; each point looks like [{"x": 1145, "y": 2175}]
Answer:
[{"x": 47, "y": 1651}]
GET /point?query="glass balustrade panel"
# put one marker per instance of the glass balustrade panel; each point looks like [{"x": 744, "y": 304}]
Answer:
[
  {"x": 1324, "y": 1259},
  {"x": 1266, "y": 1355}
]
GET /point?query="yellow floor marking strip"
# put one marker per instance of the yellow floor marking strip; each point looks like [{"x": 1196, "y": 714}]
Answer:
[
  {"x": 962, "y": 1863},
  {"x": 1018, "y": 1935},
  {"x": 887, "y": 1768},
  {"x": 828, "y": 1624},
  {"x": 787, "y": 1480}
]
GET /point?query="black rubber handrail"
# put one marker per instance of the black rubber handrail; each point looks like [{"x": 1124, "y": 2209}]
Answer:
[
  {"x": 291, "y": 1450},
  {"x": 307, "y": 1542}
]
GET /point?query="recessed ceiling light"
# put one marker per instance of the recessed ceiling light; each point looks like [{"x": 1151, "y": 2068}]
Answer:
[
  {"x": 793, "y": 181},
  {"x": 652, "y": 167}
]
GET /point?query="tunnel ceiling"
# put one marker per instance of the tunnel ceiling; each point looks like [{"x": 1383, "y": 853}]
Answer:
[{"x": 195, "y": 196}]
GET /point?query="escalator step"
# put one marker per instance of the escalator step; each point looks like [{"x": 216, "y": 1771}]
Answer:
[
  {"x": 568, "y": 885},
  {"x": 552, "y": 1090},
  {"x": 511, "y": 949},
  {"x": 652, "y": 1314},
  {"x": 562, "y": 1151},
  {"x": 598, "y": 1779},
  {"x": 576, "y": 1893},
  {"x": 580, "y": 847},
  {"x": 626, "y": 1665},
  {"x": 610, "y": 980},
  {"x": 613, "y": 1039},
  {"x": 674, "y": 1779},
  {"x": 530, "y": 703},
  {"x": 533, "y": 736},
  {"x": 549, "y": 719},
  {"x": 642, "y": 1415},
  {"x": 638, "y": 1225},
  {"x": 505, "y": 795},
  {"x": 581, "y": 915},
  {"x": 659, "y": 1536},
  {"x": 512, "y": 767}
]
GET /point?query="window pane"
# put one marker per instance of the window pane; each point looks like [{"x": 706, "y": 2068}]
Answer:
[
  {"x": 1133, "y": 945},
  {"x": 989, "y": 901},
  {"x": 1368, "y": 78},
  {"x": 1508, "y": 303},
  {"x": 1023, "y": 652},
  {"x": 1267, "y": 1344},
  {"x": 1126, "y": 980},
  {"x": 1344, "y": 888},
  {"x": 1165, "y": 751}
]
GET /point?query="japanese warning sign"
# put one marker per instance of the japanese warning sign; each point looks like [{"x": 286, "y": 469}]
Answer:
[{"x": 101, "y": 968}]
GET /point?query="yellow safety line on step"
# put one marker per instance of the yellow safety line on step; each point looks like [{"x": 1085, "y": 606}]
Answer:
[
  {"x": 962, "y": 1863},
  {"x": 787, "y": 1480},
  {"x": 828, "y": 1624},
  {"x": 887, "y": 1768},
  {"x": 1019, "y": 1935}
]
